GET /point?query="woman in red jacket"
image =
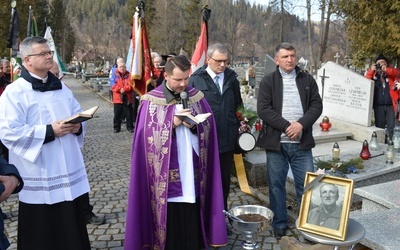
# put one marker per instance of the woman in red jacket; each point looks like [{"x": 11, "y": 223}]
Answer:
[{"x": 123, "y": 98}]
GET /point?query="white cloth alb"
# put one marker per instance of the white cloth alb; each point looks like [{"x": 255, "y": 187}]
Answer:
[
  {"x": 52, "y": 172},
  {"x": 186, "y": 143}
]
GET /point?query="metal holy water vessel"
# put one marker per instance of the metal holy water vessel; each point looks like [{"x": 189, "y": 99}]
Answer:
[{"x": 249, "y": 230}]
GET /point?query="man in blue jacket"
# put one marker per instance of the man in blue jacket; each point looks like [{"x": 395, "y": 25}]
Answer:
[
  {"x": 222, "y": 91},
  {"x": 288, "y": 103}
]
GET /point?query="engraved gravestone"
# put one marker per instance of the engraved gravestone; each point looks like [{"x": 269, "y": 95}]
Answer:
[
  {"x": 264, "y": 67},
  {"x": 347, "y": 96}
]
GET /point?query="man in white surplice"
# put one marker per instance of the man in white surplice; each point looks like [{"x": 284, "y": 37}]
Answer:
[{"x": 46, "y": 152}]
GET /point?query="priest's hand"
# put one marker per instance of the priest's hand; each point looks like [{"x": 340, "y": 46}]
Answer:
[
  {"x": 75, "y": 128},
  {"x": 60, "y": 129},
  {"x": 178, "y": 121}
]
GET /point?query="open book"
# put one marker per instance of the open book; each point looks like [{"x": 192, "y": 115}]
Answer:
[
  {"x": 83, "y": 116},
  {"x": 189, "y": 118}
]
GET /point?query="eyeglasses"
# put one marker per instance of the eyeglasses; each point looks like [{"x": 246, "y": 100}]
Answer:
[
  {"x": 220, "y": 61},
  {"x": 43, "y": 54}
]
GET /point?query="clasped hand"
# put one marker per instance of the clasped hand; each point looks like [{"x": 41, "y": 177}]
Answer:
[
  {"x": 294, "y": 130},
  {"x": 178, "y": 121},
  {"x": 61, "y": 129}
]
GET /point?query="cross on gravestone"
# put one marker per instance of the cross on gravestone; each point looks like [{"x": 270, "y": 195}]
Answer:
[
  {"x": 348, "y": 96},
  {"x": 337, "y": 57},
  {"x": 323, "y": 83}
]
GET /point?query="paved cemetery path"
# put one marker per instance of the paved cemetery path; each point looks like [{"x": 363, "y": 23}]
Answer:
[{"x": 107, "y": 157}]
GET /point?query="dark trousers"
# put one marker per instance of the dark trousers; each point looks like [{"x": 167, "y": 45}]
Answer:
[
  {"x": 384, "y": 116},
  {"x": 183, "y": 226},
  {"x": 86, "y": 207},
  {"x": 3, "y": 151},
  {"x": 119, "y": 109},
  {"x": 226, "y": 162},
  {"x": 135, "y": 108},
  {"x": 58, "y": 226}
]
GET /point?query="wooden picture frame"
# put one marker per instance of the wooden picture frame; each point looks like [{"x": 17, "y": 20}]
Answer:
[{"x": 325, "y": 206}]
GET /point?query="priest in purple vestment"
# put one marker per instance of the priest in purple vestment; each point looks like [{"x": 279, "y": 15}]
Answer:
[{"x": 175, "y": 196}]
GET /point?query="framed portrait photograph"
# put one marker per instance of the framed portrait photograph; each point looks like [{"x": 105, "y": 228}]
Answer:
[{"x": 325, "y": 206}]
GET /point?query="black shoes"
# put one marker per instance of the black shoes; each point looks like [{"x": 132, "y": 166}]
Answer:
[
  {"x": 279, "y": 233},
  {"x": 95, "y": 220},
  {"x": 119, "y": 130}
]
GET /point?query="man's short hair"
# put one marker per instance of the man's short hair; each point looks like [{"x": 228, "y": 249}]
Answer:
[
  {"x": 329, "y": 184},
  {"x": 158, "y": 57},
  {"x": 180, "y": 62},
  {"x": 286, "y": 46},
  {"x": 25, "y": 47},
  {"x": 216, "y": 47},
  {"x": 119, "y": 60}
]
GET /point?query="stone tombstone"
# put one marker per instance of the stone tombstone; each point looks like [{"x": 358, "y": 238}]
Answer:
[
  {"x": 264, "y": 67},
  {"x": 346, "y": 95}
]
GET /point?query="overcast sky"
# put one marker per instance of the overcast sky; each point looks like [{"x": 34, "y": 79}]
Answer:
[
  {"x": 299, "y": 10},
  {"x": 259, "y": 1}
]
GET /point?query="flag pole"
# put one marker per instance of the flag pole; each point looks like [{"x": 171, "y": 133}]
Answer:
[
  {"x": 200, "y": 52},
  {"x": 206, "y": 16},
  {"x": 140, "y": 8},
  {"x": 28, "y": 29},
  {"x": 13, "y": 5}
]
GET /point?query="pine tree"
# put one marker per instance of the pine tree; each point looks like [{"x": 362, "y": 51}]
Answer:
[{"x": 62, "y": 31}]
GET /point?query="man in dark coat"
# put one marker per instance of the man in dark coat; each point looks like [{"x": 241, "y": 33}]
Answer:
[
  {"x": 10, "y": 183},
  {"x": 222, "y": 91},
  {"x": 289, "y": 104}
]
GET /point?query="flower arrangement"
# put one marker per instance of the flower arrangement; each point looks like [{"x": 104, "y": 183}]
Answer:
[
  {"x": 243, "y": 81},
  {"x": 351, "y": 166},
  {"x": 246, "y": 116}
]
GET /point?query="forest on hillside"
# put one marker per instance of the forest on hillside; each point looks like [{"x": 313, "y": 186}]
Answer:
[
  {"x": 175, "y": 26},
  {"x": 100, "y": 29}
]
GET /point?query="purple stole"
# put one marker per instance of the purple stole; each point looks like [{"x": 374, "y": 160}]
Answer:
[{"x": 155, "y": 174}]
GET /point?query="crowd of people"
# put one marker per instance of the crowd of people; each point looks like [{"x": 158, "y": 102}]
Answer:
[{"x": 180, "y": 171}]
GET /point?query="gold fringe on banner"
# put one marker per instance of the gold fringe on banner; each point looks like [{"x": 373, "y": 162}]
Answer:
[{"x": 241, "y": 174}]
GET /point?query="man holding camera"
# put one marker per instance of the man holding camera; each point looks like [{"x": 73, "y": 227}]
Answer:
[{"x": 386, "y": 93}]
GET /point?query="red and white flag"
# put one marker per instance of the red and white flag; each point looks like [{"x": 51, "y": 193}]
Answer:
[
  {"x": 142, "y": 65},
  {"x": 200, "y": 53},
  {"x": 132, "y": 43}
]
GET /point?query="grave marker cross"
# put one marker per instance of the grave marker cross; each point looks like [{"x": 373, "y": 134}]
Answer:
[
  {"x": 323, "y": 83},
  {"x": 337, "y": 56}
]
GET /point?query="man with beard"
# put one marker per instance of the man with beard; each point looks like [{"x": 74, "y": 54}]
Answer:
[{"x": 175, "y": 193}]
